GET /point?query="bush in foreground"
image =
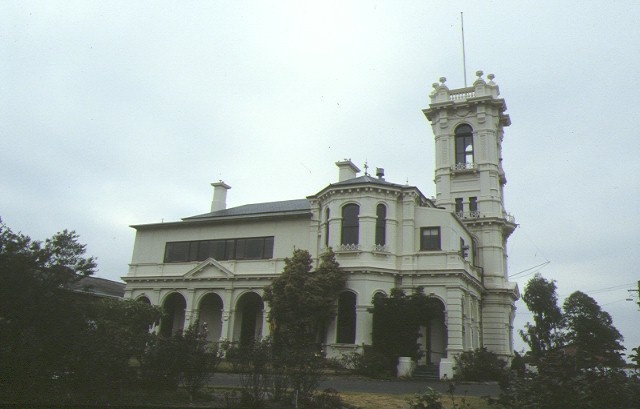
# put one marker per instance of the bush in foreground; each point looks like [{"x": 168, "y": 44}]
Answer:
[{"x": 480, "y": 365}]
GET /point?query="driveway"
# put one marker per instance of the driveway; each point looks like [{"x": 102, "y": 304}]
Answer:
[{"x": 361, "y": 384}]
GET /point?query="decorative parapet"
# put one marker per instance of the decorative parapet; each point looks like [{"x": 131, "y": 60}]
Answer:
[
  {"x": 509, "y": 218},
  {"x": 441, "y": 93}
]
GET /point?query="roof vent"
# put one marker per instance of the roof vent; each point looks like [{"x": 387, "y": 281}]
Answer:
[{"x": 380, "y": 173}]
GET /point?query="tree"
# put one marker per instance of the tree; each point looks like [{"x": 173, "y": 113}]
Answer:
[
  {"x": 546, "y": 332},
  {"x": 116, "y": 332},
  {"x": 590, "y": 331},
  {"x": 39, "y": 317},
  {"x": 199, "y": 358},
  {"x": 302, "y": 302},
  {"x": 577, "y": 356},
  {"x": 396, "y": 322}
]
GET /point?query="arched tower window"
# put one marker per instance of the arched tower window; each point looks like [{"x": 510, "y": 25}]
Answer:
[
  {"x": 381, "y": 223},
  {"x": 464, "y": 145},
  {"x": 350, "y": 224},
  {"x": 326, "y": 227}
]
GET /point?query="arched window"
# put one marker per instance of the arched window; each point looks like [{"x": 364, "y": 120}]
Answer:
[
  {"x": 172, "y": 322},
  {"x": 381, "y": 223},
  {"x": 350, "y": 224},
  {"x": 210, "y": 314},
  {"x": 326, "y": 228},
  {"x": 248, "y": 318},
  {"x": 346, "y": 326},
  {"x": 464, "y": 145}
]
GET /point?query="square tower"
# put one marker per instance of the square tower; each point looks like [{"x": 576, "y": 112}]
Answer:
[{"x": 468, "y": 126}]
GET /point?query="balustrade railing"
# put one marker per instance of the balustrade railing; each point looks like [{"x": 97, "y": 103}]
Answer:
[
  {"x": 350, "y": 247},
  {"x": 380, "y": 247},
  {"x": 463, "y": 166},
  {"x": 462, "y": 93},
  {"x": 469, "y": 215}
]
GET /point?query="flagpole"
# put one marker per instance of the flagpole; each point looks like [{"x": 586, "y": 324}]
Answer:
[{"x": 464, "y": 57}]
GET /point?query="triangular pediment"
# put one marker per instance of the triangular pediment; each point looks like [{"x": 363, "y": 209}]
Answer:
[{"x": 209, "y": 268}]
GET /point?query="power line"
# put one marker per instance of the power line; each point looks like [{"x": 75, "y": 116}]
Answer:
[
  {"x": 604, "y": 289},
  {"x": 535, "y": 269}
]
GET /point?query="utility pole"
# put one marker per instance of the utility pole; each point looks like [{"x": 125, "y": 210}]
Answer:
[{"x": 637, "y": 294}]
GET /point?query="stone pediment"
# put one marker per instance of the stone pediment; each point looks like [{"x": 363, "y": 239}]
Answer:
[{"x": 209, "y": 268}]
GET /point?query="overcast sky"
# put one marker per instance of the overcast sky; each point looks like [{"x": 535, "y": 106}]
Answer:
[{"x": 119, "y": 113}]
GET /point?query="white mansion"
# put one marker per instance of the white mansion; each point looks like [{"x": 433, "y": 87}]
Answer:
[{"x": 213, "y": 267}]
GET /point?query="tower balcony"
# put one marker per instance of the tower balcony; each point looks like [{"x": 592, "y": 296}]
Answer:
[
  {"x": 475, "y": 214},
  {"x": 469, "y": 215}
]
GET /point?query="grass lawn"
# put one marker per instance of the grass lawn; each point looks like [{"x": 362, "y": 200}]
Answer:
[{"x": 377, "y": 401}]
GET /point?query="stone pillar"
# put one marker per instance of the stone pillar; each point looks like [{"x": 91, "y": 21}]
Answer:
[
  {"x": 335, "y": 223},
  {"x": 266, "y": 330},
  {"x": 364, "y": 325},
  {"x": 454, "y": 332}
]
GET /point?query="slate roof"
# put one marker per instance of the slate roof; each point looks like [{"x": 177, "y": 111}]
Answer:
[
  {"x": 99, "y": 287},
  {"x": 286, "y": 206},
  {"x": 365, "y": 179}
]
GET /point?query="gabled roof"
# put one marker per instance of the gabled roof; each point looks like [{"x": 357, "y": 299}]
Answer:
[{"x": 296, "y": 206}]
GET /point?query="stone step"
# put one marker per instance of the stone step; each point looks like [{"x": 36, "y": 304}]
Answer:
[{"x": 428, "y": 372}]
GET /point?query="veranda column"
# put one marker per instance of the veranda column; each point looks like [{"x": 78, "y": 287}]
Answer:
[
  {"x": 226, "y": 330},
  {"x": 190, "y": 312}
]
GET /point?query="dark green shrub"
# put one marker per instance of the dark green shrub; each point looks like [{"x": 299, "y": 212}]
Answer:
[
  {"x": 372, "y": 363},
  {"x": 160, "y": 365},
  {"x": 480, "y": 365},
  {"x": 187, "y": 359},
  {"x": 430, "y": 399},
  {"x": 327, "y": 399}
]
